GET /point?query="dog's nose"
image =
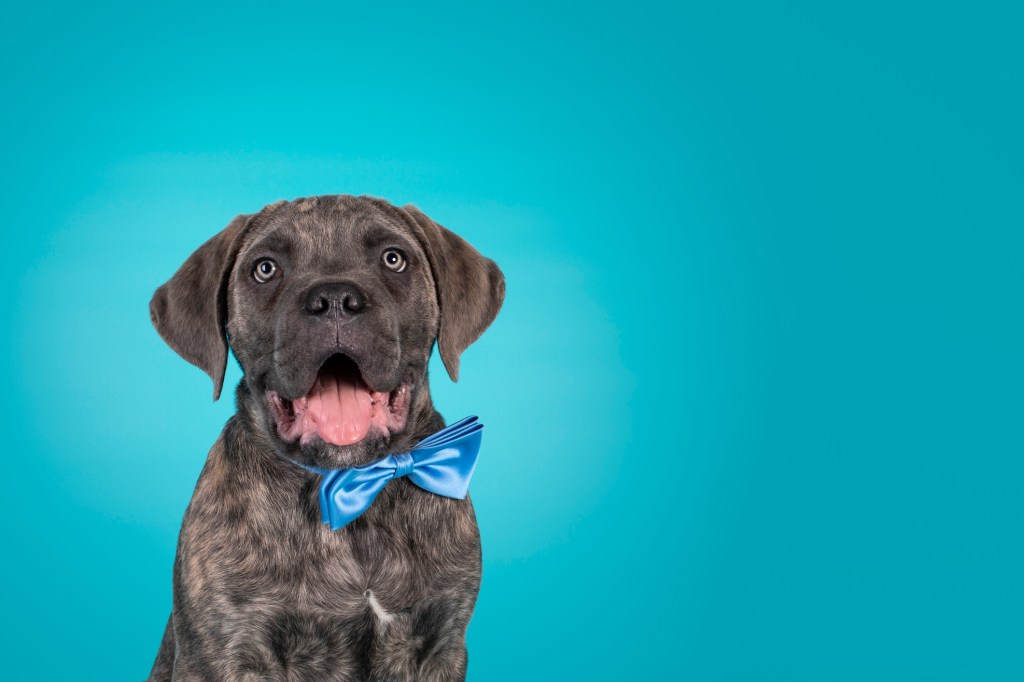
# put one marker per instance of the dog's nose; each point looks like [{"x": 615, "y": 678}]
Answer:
[{"x": 343, "y": 298}]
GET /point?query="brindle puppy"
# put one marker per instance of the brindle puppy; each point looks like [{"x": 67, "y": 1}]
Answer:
[{"x": 331, "y": 305}]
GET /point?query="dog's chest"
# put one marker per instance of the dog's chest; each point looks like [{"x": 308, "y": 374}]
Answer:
[
  {"x": 265, "y": 554},
  {"x": 261, "y": 583}
]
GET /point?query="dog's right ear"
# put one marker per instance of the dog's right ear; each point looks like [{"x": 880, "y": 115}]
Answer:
[
  {"x": 190, "y": 310},
  {"x": 470, "y": 287}
]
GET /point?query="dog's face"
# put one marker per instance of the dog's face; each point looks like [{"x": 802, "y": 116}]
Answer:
[{"x": 331, "y": 305}]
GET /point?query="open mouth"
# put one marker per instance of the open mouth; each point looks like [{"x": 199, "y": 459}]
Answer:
[{"x": 339, "y": 408}]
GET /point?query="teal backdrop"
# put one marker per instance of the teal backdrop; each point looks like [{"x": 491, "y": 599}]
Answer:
[{"x": 753, "y": 404}]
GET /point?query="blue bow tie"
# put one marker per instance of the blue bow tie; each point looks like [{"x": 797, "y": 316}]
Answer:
[{"x": 442, "y": 463}]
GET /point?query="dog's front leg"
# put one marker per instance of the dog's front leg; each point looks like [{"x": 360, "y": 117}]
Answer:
[
  {"x": 187, "y": 669},
  {"x": 163, "y": 666},
  {"x": 425, "y": 642}
]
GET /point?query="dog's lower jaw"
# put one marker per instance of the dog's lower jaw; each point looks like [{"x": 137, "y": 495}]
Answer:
[
  {"x": 339, "y": 407},
  {"x": 421, "y": 420}
]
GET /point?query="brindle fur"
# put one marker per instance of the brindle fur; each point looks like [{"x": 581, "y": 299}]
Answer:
[{"x": 263, "y": 590}]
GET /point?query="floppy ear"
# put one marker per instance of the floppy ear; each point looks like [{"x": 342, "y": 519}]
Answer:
[
  {"x": 190, "y": 310},
  {"x": 470, "y": 288}
]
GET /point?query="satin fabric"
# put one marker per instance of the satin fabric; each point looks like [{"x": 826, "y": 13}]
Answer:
[{"x": 442, "y": 463}]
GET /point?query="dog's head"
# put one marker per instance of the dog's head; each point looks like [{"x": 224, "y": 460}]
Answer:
[{"x": 331, "y": 305}]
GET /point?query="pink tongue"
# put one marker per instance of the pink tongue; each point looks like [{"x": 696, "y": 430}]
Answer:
[{"x": 340, "y": 408}]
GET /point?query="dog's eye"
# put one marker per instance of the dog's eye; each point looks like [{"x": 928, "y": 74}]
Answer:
[
  {"x": 394, "y": 260},
  {"x": 265, "y": 270}
]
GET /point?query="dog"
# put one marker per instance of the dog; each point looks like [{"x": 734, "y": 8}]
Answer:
[{"x": 331, "y": 305}]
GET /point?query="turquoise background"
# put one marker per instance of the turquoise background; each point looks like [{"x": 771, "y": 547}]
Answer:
[{"x": 754, "y": 402}]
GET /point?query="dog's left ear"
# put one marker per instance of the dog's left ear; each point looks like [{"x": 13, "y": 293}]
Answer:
[
  {"x": 470, "y": 287},
  {"x": 190, "y": 310}
]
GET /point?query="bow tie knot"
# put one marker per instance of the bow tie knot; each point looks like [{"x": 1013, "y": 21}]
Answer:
[
  {"x": 404, "y": 464},
  {"x": 442, "y": 463}
]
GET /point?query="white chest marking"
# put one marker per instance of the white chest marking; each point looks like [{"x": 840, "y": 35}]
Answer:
[{"x": 381, "y": 614}]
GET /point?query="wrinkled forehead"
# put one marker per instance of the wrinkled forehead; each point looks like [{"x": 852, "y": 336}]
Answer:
[{"x": 328, "y": 225}]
